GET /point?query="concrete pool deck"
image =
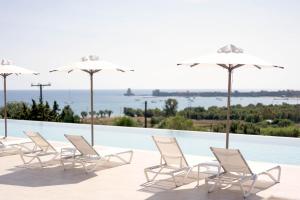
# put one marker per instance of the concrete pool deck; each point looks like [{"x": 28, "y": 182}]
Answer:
[{"x": 114, "y": 181}]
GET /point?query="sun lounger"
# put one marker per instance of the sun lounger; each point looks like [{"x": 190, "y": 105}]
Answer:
[
  {"x": 236, "y": 170},
  {"x": 172, "y": 161},
  {"x": 12, "y": 147},
  {"x": 42, "y": 149},
  {"x": 90, "y": 158}
]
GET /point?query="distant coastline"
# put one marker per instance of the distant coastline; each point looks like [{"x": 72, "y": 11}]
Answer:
[
  {"x": 115, "y": 100},
  {"x": 262, "y": 93}
]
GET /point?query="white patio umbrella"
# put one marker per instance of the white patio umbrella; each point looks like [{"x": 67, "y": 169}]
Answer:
[
  {"x": 92, "y": 65},
  {"x": 230, "y": 58},
  {"x": 6, "y": 69}
]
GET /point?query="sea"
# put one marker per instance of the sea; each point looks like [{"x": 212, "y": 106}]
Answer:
[{"x": 114, "y": 100}]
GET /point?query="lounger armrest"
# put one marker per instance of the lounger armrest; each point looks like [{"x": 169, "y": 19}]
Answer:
[
  {"x": 268, "y": 173},
  {"x": 23, "y": 145},
  {"x": 154, "y": 167},
  {"x": 118, "y": 155}
]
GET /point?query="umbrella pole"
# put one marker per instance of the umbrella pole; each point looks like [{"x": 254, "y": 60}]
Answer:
[
  {"x": 228, "y": 107},
  {"x": 92, "y": 109},
  {"x": 5, "y": 106}
]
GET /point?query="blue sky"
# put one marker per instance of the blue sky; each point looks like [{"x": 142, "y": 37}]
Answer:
[{"x": 151, "y": 36}]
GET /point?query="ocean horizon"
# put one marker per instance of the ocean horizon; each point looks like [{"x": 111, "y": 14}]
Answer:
[{"x": 114, "y": 99}]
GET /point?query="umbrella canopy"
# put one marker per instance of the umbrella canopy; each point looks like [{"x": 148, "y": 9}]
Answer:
[
  {"x": 91, "y": 65},
  {"x": 6, "y": 69},
  {"x": 229, "y": 57}
]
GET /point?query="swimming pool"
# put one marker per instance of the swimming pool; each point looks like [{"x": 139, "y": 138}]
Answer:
[{"x": 257, "y": 148}]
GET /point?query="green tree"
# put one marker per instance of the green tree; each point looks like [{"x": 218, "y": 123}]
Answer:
[
  {"x": 47, "y": 111},
  {"x": 67, "y": 115},
  {"x": 54, "y": 113},
  {"x": 129, "y": 112},
  {"x": 83, "y": 114},
  {"x": 170, "y": 108},
  {"x": 109, "y": 112},
  {"x": 25, "y": 114},
  {"x": 101, "y": 113},
  {"x": 34, "y": 111}
]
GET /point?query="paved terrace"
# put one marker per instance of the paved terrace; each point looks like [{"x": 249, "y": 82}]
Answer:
[{"x": 115, "y": 182}]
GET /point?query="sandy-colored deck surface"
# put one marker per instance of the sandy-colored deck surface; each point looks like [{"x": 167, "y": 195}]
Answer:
[{"x": 117, "y": 182}]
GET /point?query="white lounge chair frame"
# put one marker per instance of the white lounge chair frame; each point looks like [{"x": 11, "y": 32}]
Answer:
[
  {"x": 90, "y": 156},
  {"x": 237, "y": 170},
  {"x": 14, "y": 147},
  {"x": 42, "y": 148},
  {"x": 172, "y": 161}
]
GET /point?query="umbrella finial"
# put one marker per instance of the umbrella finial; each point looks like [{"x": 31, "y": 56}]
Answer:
[
  {"x": 5, "y": 62},
  {"x": 230, "y": 49},
  {"x": 93, "y": 58},
  {"x": 83, "y": 59},
  {"x": 89, "y": 58}
]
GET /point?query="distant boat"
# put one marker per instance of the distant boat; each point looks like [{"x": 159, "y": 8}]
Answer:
[
  {"x": 283, "y": 97},
  {"x": 190, "y": 99},
  {"x": 129, "y": 92},
  {"x": 219, "y": 99}
]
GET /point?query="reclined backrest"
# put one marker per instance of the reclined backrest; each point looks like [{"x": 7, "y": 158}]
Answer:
[
  {"x": 82, "y": 145},
  {"x": 170, "y": 151},
  {"x": 39, "y": 141},
  {"x": 231, "y": 160}
]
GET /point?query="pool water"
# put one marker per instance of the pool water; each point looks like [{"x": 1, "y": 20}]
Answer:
[{"x": 257, "y": 148}]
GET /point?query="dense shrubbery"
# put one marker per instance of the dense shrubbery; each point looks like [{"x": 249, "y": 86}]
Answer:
[
  {"x": 282, "y": 131},
  {"x": 277, "y": 120},
  {"x": 238, "y": 127},
  {"x": 131, "y": 112},
  {"x": 177, "y": 123},
  {"x": 39, "y": 112},
  {"x": 125, "y": 121},
  {"x": 276, "y": 128},
  {"x": 251, "y": 113}
]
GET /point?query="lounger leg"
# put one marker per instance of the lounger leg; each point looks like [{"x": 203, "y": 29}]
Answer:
[
  {"x": 23, "y": 158},
  {"x": 146, "y": 175},
  {"x": 173, "y": 177},
  {"x": 40, "y": 162},
  {"x": 279, "y": 174},
  {"x": 213, "y": 187},
  {"x": 248, "y": 193},
  {"x": 62, "y": 164},
  {"x": 186, "y": 175},
  {"x": 86, "y": 166},
  {"x": 216, "y": 183},
  {"x": 154, "y": 177}
]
